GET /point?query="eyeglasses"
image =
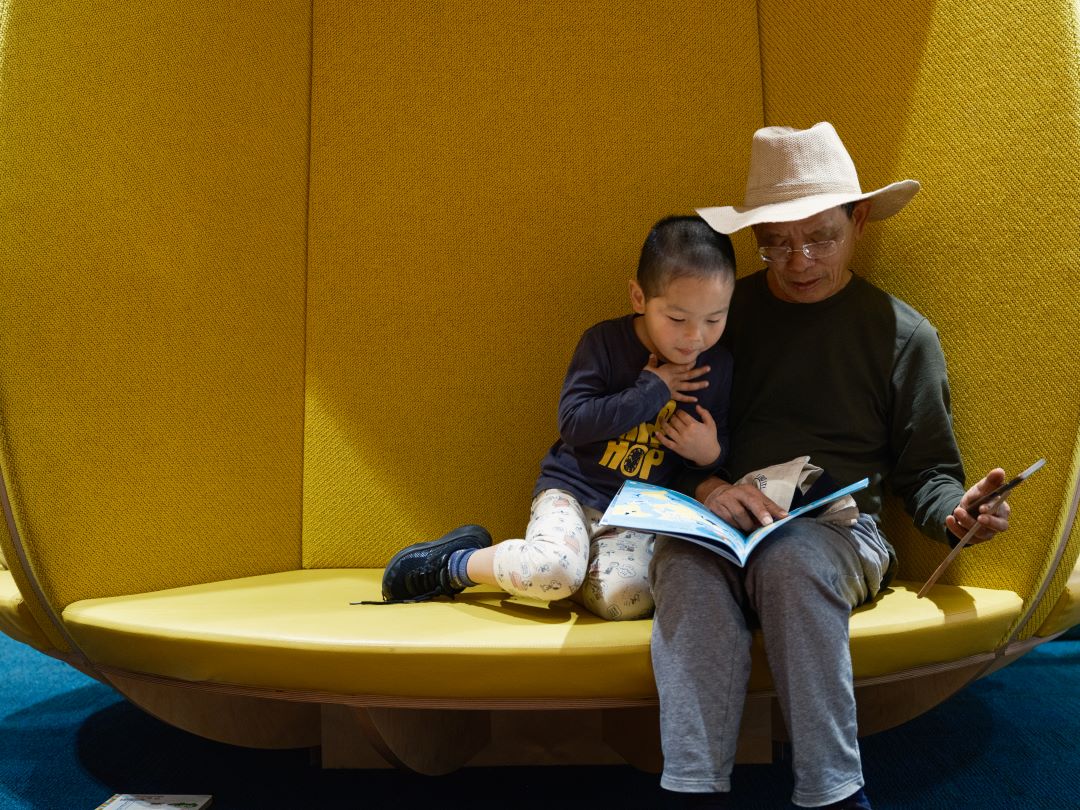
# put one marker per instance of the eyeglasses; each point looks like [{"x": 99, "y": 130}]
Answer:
[{"x": 812, "y": 251}]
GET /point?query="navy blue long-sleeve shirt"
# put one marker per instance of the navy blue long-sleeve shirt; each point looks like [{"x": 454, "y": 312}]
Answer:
[{"x": 609, "y": 408}]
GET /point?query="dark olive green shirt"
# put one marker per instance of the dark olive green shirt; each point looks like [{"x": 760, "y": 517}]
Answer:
[{"x": 858, "y": 383}]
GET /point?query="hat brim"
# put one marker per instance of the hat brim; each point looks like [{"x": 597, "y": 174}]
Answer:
[{"x": 885, "y": 202}]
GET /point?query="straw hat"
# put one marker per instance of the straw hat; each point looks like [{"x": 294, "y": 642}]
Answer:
[{"x": 796, "y": 173}]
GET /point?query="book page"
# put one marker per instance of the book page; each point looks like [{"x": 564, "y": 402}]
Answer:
[
  {"x": 758, "y": 535},
  {"x": 663, "y": 511}
]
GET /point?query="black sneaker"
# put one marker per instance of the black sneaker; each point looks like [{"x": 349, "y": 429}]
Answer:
[{"x": 419, "y": 572}]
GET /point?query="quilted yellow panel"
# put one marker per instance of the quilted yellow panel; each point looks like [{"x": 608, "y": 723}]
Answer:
[
  {"x": 979, "y": 102},
  {"x": 153, "y": 210},
  {"x": 483, "y": 176}
]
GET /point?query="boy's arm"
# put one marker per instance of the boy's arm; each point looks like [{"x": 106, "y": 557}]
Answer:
[
  {"x": 695, "y": 440},
  {"x": 588, "y": 413},
  {"x": 702, "y": 442}
]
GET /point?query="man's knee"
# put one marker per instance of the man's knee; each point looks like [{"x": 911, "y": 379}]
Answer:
[
  {"x": 788, "y": 552},
  {"x": 803, "y": 557}
]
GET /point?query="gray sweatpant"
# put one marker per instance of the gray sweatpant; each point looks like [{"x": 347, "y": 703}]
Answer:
[{"x": 800, "y": 586}]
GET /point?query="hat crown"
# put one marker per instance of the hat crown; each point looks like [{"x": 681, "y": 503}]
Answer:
[{"x": 788, "y": 163}]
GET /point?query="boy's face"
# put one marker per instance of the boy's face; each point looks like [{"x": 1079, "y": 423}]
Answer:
[{"x": 687, "y": 318}]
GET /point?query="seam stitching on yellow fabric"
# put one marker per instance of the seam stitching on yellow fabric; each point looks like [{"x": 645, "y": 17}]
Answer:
[
  {"x": 24, "y": 561},
  {"x": 1059, "y": 552}
]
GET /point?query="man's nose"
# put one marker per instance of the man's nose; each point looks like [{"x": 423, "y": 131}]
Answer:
[{"x": 797, "y": 261}]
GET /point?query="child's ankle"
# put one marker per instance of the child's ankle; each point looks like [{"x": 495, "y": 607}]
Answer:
[{"x": 458, "y": 567}]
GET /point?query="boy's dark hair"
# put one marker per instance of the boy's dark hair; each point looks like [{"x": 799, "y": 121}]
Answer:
[{"x": 679, "y": 246}]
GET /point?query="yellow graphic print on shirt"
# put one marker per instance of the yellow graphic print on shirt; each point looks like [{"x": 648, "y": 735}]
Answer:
[{"x": 637, "y": 451}]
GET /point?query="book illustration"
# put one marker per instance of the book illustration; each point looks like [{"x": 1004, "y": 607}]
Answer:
[
  {"x": 142, "y": 801},
  {"x": 659, "y": 510}
]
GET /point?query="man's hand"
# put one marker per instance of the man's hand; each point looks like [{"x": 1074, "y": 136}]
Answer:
[
  {"x": 991, "y": 520},
  {"x": 693, "y": 440},
  {"x": 680, "y": 377},
  {"x": 742, "y": 505}
]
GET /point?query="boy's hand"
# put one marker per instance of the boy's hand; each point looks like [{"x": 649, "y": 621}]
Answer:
[
  {"x": 680, "y": 377},
  {"x": 693, "y": 440}
]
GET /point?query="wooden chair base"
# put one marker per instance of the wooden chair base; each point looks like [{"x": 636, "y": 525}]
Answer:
[
  {"x": 434, "y": 741},
  {"x": 372, "y": 732}
]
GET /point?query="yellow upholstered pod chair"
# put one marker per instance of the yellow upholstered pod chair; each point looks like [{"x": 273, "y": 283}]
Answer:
[{"x": 282, "y": 292}]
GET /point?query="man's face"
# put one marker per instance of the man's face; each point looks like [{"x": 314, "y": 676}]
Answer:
[{"x": 800, "y": 280}]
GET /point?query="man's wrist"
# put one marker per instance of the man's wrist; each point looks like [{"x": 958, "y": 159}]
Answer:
[{"x": 709, "y": 486}]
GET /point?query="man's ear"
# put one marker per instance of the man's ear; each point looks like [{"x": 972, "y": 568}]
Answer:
[
  {"x": 860, "y": 216},
  {"x": 637, "y": 297}
]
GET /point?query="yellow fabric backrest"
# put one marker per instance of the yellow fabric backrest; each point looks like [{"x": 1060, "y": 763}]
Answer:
[
  {"x": 978, "y": 101},
  {"x": 481, "y": 186},
  {"x": 296, "y": 287},
  {"x": 153, "y": 210}
]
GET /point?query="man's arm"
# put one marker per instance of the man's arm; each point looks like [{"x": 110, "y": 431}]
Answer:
[{"x": 927, "y": 471}]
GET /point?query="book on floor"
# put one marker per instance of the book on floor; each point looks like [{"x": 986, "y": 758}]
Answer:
[
  {"x": 659, "y": 510},
  {"x": 161, "y": 801}
]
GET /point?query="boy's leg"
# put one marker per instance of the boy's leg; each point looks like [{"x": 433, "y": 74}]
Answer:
[
  {"x": 551, "y": 561},
  {"x": 701, "y": 661},
  {"x": 802, "y": 583},
  {"x": 617, "y": 582}
]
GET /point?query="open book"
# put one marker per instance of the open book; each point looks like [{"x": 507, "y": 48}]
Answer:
[{"x": 649, "y": 508}]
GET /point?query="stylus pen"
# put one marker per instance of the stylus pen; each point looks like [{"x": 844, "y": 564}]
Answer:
[{"x": 956, "y": 550}]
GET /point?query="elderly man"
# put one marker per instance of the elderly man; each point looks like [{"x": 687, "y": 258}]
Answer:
[{"x": 829, "y": 366}]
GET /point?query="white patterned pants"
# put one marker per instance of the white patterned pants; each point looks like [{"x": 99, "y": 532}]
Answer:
[{"x": 565, "y": 554}]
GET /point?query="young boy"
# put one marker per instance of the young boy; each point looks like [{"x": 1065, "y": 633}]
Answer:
[{"x": 645, "y": 397}]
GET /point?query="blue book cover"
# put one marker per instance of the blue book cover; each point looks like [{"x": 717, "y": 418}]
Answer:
[{"x": 650, "y": 508}]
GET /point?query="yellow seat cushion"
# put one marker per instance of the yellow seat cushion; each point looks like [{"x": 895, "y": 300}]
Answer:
[
  {"x": 297, "y": 631},
  {"x": 1066, "y": 611},
  {"x": 15, "y": 618},
  {"x": 898, "y": 631}
]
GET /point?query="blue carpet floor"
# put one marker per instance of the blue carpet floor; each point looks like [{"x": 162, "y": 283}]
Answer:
[{"x": 1011, "y": 740}]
